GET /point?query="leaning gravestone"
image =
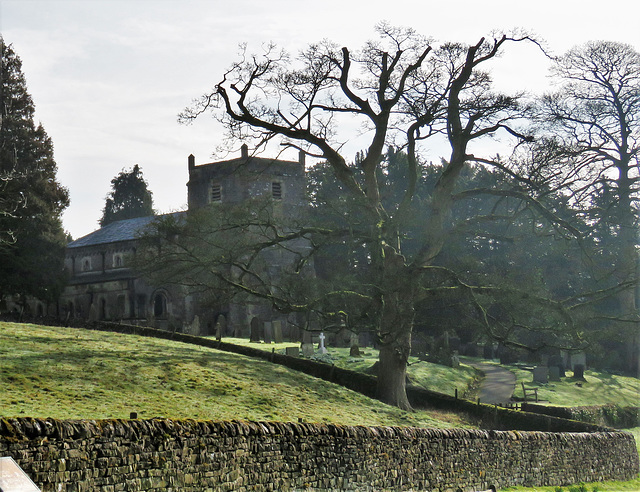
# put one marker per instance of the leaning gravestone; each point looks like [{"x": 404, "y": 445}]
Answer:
[
  {"x": 541, "y": 374},
  {"x": 277, "y": 331},
  {"x": 256, "y": 324},
  {"x": 13, "y": 479},
  {"x": 354, "y": 351}
]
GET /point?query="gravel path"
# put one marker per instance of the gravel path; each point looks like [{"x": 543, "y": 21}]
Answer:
[{"x": 498, "y": 384}]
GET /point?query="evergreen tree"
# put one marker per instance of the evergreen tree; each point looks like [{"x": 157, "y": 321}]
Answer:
[
  {"x": 32, "y": 240},
  {"x": 129, "y": 197}
]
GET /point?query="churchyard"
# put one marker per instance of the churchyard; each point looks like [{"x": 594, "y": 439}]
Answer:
[{"x": 70, "y": 373}]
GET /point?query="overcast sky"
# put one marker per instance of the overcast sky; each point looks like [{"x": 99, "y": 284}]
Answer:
[{"x": 108, "y": 77}]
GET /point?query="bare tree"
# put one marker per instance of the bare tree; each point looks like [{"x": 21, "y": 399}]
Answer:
[
  {"x": 595, "y": 121},
  {"x": 400, "y": 90}
]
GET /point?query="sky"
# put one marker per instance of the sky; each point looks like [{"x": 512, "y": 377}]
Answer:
[{"x": 109, "y": 77}]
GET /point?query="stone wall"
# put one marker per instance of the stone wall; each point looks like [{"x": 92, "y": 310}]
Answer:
[
  {"x": 167, "y": 455},
  {"x": 615, "y": 416}
]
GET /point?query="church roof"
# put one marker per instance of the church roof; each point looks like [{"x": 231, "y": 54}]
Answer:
[{"x": 120, "y": 230}]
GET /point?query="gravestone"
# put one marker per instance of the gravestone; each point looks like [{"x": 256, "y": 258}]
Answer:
[
  {"x": 277, "y": 331},
  {"x": 557, "y": 361},
  {"x": 541, "y": 374},
  {"x": 578, "y": 358},
  {"x": 321, "y": 348},
  {"x": 455, "y": 361},
  {"x": 256, "y": 324},
  {"x": 194, "y": 327},
  {"x": 307, "y": 349},
  {"x": 268, "y": 332},
  {"x": 354, "y": 351},
  {"x": 578, "y": 371},
  {"x": 554, "y": 373},
  {"x": 221, "y": 327},
  {"x": 292, "y": 351},
  {"x": 13, "y": 479}
]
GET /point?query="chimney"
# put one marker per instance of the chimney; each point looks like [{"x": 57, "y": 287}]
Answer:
[
  {"x": 301, "y": 158},
  {"x": 192, "y": 162},
  {"x": 244, "y": 151}
]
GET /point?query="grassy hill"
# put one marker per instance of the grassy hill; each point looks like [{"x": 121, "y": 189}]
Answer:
[{"x": 73, "y": 373}]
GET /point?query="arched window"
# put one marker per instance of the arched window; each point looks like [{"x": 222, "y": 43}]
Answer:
[
  {"x": 86, "y": 264},
  {"x": 160, "y": 305}
]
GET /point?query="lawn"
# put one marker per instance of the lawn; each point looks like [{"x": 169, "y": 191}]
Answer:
[
  {"x": 599, "y": 388},
  {"x": 434, "y": 377},
  {"x": 73, "y": 373}
]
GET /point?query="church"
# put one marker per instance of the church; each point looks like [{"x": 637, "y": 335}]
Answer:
[{"x": 104, "y": 286}]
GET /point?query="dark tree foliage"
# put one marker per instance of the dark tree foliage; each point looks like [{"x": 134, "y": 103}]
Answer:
[
  {"x": 31, "y": 237},
  {"x": 129, "y": 197}
]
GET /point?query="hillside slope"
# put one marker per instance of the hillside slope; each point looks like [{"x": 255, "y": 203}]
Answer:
[{"x": 73, "y": 373}]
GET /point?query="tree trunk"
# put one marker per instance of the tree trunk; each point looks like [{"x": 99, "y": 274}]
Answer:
[
  {"x": 392, "y": 373},
  {"x": 396, "y": 323}
]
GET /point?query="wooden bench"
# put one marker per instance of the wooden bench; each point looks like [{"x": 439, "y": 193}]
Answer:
[{"x": 529, "y": 391}]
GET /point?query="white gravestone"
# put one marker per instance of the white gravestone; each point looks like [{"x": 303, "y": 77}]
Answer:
[{"x": 322, "y": 349}]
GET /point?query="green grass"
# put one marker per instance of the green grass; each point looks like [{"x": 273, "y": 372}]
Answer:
[
  {"x": 72, "y": 373},
  {"x": 599, "y": 389},
  {"x": 434, "y": 377},
  {"x": 630, "y": 486}
]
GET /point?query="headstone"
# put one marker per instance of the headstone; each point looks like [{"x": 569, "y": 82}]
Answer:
[
  {"x": 321, "y": 348},
  {"x": 307, "y": 349},
  {"x": 541, "y": 374},
  {"x": 355, "y": 351},
  {"x": 268, "y": 332},
  {"x": 293, "y": 351},
  {"x": 578, "y": 371},
  {"x": 554, "y": 373},
  {"x": 194, "y": 328},
  {"x": 13, "y": 479},
  {"x": 221, "y": 325},
  {"x": 256, "y": 324},
  {"x": 455, "y": 361},
  {"x": 557, "y": 361},
  {"x": 578, "y": 358},
  {"x": 277, "y": 331}
]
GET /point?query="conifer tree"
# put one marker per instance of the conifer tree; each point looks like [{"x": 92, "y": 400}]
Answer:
[
  {"x": 32, "y": 240},
  {"x": 129, "y": 197}
]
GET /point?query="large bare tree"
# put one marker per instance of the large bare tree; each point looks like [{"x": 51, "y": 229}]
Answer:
[
  {"x": 594, "y": 118},
  {"x": 401, "y": 90}
]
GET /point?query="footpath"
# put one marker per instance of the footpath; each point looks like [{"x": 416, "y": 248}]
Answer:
[{"x": 497, "y": 386}]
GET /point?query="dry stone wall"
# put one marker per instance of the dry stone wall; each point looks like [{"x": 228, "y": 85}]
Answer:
[{"x": 167, "y": 455}]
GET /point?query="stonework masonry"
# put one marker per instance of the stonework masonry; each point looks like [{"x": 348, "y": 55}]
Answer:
[{"x": 168, "y": 455}]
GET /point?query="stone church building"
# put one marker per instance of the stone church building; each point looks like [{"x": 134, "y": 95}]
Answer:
[{"x": 104, "y": 286}]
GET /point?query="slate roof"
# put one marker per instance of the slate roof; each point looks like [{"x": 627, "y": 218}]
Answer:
[{"x": 118, "y": 231}]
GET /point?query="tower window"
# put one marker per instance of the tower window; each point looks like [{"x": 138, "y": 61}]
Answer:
[
  {"x": 216, "y": 193},
  {"x": 276, "y": 190}
]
